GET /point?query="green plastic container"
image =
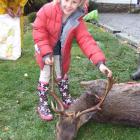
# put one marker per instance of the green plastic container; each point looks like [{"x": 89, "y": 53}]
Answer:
[{"x": 93, "y": 15}]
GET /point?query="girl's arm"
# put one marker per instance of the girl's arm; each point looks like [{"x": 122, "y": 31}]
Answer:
[
  {"x": 41, "y": 35},
  {"x": 90, "y": 48},
  {"x": 88, "y": 45},
  {"x": 10, "y": 12}
]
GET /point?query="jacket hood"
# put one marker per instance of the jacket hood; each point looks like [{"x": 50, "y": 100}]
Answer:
[{"x": 71, "y": 23}]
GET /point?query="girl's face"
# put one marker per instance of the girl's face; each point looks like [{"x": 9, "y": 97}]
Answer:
[{"x": 69, "y": 6}]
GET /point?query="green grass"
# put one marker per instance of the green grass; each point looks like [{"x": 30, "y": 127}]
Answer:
[{"x": 18, "y": 99}]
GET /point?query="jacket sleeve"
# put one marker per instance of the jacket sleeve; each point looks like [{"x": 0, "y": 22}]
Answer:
[
  {"x": 3, "y": 6},
  {"x": 22, "y": 3},
  {"x": 40, "y": 33},
  {"x": 88, "y": 45},
  {"x": 3, "y": 3}
]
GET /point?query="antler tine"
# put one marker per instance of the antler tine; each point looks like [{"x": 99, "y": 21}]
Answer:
[
  {"x": 108, "y": 88},
  {"x": 62, "y": 110},
  {"x": 97, "y": 107},
  {"x": 55, "y": 109},
  {"x": 53, "y": 93},
  {"x": 59, "y": 103}
]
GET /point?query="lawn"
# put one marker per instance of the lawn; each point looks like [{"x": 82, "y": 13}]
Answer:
[{"x": 18, "y": 99}]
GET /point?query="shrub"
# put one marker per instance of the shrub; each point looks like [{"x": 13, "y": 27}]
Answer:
[
  {"x": 92, "y": 5},
  {"x": 31, "y": 17},
  {"x": 34, "y": 5}
]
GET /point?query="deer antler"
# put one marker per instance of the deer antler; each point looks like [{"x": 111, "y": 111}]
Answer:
[
  {"x": 98, "y": 106},
  {"x": 52, "y": 92},
  {"x": 78, "y": 114},
  {"x": 61, "y": 110}
]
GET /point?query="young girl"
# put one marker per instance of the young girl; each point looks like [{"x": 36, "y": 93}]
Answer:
[{"x": 56, "y": 25}]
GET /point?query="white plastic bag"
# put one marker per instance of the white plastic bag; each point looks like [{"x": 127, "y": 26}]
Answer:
[{"x": 10, "y": 38}]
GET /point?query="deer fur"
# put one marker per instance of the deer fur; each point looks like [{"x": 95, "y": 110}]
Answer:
[{"x": 122, "y": 105}]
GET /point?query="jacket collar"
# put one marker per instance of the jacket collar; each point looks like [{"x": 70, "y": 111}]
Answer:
[
  {"x": 71, "y": 23},
  {"x": 77, "y": 14}
]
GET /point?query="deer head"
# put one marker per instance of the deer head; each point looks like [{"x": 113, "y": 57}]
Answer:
[{"x": 72, "y": 119}]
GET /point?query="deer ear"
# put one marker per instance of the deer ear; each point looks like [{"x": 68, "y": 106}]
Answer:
[
  {"x": 86, "y": 83},
  {"x": 84, "y": 119},
  {"x": 98, "y": 82}
]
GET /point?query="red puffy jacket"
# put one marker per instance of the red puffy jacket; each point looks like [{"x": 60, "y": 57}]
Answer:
[{"x": 46, "y": 32}]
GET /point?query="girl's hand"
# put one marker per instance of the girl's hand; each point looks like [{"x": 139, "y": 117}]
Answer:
[
  {"x": 19, "y": 12},
  {"x": 49, "y": 60},
  {"x": 106, "y": 71},
  {"x": 10, "y": 12}
]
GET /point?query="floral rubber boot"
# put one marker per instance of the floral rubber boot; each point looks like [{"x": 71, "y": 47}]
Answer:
[
  {"x": 43, "y": 107},
  {"x": 64, "y": 91}
]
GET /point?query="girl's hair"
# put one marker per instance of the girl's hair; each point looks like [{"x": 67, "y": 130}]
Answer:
[{"x": 83, "y": 3}]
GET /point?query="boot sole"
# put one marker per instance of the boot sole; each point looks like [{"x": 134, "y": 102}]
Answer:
[{"x": 44, "y": 118}]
